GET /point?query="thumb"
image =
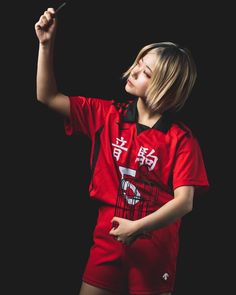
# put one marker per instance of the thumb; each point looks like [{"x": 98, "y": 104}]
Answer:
[
  {"x": 51, "y": 10},
  {"x": 115, "y": 221}
]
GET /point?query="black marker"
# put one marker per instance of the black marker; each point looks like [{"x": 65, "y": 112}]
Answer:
[{"x": 59, "y": 8}]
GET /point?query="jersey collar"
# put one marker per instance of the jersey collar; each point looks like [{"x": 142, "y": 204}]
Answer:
[{"x": 163, "y": 124}]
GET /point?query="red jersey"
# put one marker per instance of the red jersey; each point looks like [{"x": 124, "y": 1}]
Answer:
[
  {"x": 135, "y": 166},
  {"x": 135, "y": 170}
]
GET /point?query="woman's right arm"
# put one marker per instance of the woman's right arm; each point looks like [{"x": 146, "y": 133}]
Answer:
[{"x": 46, "y": 86}]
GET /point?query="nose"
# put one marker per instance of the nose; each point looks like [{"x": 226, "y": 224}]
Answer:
[{"x": 135, "y": 71}]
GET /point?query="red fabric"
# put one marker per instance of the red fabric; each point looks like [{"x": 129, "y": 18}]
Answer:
[
  {"x": 189, "y": 168},
  {"x": 134, "y": 172},
  {"x": 120, "y": 153},
  {"x": 140, "y": 267}
]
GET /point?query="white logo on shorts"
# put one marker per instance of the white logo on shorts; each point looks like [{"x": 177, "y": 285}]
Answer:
[{"x": 165, "y": 276}]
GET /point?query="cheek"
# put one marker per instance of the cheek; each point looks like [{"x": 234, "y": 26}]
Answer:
[{"x": 144, "y": 85}]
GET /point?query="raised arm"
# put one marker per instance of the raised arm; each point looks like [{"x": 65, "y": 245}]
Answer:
[{"x": 46, "y": 85}]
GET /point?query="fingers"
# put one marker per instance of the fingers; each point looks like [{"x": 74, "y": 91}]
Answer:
[
  {"x": 117, "y": 238},
  {"x": 115, "y": 224},
  {"x": 115, "y": 221},
  {"x": 126, "y": 242},
  {"x": 46, "y": 19},
  {"x": 51, "y": 10}
]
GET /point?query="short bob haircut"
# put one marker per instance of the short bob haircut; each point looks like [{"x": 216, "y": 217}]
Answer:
[{"x": 173, "y": 77}]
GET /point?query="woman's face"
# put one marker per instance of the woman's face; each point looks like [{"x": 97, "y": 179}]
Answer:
[{"x": 140, "y": 76}]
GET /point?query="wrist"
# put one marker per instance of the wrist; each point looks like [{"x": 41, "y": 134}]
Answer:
[
  {"x": 46, "y": 45},
  {"x": 141, "y": 229}
]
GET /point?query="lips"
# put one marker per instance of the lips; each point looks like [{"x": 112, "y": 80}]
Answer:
[{"x": 130, "y": 83}]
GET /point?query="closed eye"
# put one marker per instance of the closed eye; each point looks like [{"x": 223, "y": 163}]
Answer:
[{"x": 147, "y": 74}]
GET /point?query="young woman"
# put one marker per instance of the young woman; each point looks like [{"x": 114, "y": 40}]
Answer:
[{"x": 146, "y": 167}]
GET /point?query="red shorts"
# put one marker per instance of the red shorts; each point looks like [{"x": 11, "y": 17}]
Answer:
[{"x": 147, "y": 266}]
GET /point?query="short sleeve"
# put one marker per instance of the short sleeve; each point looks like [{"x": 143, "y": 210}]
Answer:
[
  {"x": 189, "y": 167},
  {"x": 86, "y": 115}
]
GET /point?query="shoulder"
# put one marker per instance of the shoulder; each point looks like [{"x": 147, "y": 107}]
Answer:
[
  {"x": 93, "y": 103},
  {"x": 120, "y": 104},
  {"x": 92, "y": 100},
  {"x": 180, "y": 129}
]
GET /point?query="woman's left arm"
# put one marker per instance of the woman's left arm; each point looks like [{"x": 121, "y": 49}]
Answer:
[{"x": 181, "y": 204}]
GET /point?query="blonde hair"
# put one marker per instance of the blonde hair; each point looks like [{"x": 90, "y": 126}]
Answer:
[{"x": 173, "y": 77}]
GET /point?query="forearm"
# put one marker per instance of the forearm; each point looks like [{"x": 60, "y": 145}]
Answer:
[
  {"x": 165, "y": 215},
  {"x": 46, "y": 86}
]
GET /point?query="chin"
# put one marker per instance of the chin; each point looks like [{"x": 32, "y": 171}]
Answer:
[{"x": 128, "y": 90}]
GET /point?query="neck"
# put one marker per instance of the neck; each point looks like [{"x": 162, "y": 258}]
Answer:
[{"x": 144, "y": 114}]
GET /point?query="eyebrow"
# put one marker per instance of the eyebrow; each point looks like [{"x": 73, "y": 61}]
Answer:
[{"x": 146, "y": 65}]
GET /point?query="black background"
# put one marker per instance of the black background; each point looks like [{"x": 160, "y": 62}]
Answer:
[{"x": 49, "y": 217}]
